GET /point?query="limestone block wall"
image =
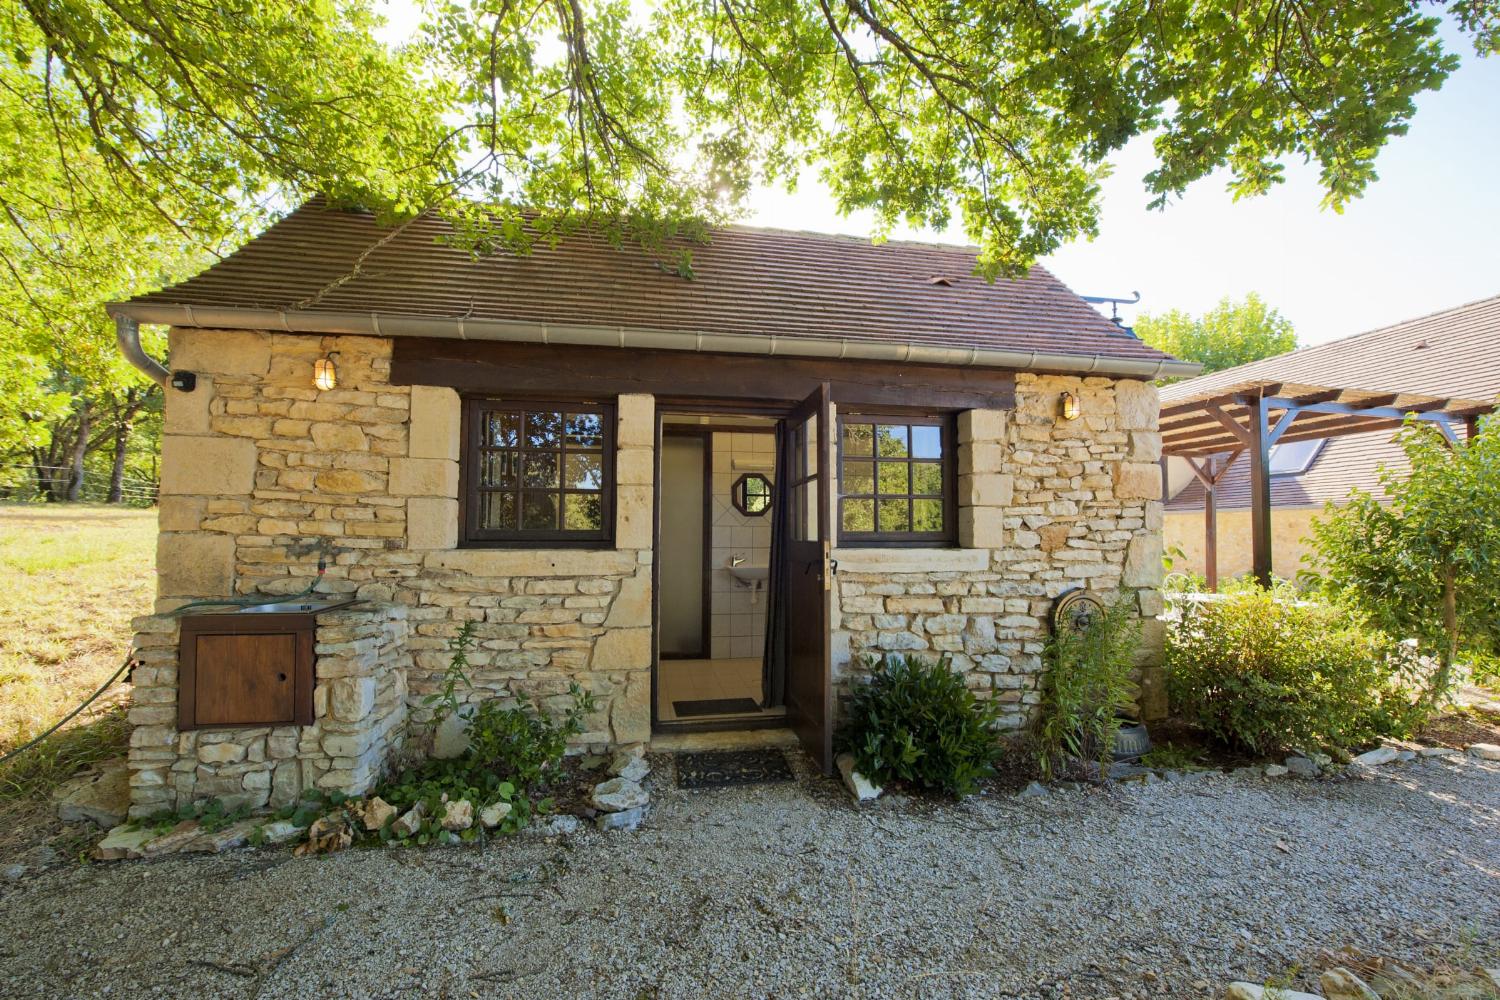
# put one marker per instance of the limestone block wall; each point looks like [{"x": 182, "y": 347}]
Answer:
[
  {"x": 359, "y": 715},
  {"x": 263, "y": 475},
  {"x": 1045, "y": 505}
]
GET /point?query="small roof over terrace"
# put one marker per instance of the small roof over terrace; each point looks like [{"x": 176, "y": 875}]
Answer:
[{"x": 1212, "y": 421}]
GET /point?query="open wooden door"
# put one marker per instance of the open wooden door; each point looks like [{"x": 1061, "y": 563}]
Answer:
[{"x": 809, "y": 577}]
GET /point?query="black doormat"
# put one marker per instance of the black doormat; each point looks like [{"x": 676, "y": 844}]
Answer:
[
  {"x": 715, "y": 706},
  {"x": 723, "y": 768}
]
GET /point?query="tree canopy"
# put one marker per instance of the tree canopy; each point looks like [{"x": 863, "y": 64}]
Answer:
[
  {"x": 1229, "y": 334},
  {"x": 995, "y": 115}
]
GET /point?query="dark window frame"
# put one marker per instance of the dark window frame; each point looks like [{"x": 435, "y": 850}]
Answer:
[
  {"x": 472, "y": 536},
  {"x": 947, "y": 423},
  {"x": 739, "y": 494}
]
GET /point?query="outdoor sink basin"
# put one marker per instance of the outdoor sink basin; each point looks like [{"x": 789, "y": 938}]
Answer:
[{"x": 746, "y": 573}]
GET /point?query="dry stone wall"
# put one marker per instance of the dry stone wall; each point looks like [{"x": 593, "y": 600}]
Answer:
[
  {"x": 1046, "y": 505},
  {"x": 359, "y": 716}
]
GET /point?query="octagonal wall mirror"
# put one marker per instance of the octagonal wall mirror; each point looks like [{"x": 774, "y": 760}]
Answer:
[{"x": 751, "y": 494}]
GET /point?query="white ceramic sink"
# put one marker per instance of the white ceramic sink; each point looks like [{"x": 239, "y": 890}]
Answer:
[{"x": 746, "y": 573}]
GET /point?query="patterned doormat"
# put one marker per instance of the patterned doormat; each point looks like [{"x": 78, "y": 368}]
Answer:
[{"x": 725, "y": 768}]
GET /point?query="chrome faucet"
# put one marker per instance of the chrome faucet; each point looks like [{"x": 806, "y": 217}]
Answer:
[{"x": 736, "y": 560}]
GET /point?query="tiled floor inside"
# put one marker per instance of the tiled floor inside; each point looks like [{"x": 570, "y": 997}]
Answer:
[{"x": 702, "y": 680}]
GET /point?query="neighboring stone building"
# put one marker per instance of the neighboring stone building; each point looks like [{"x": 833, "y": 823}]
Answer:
[{"x": 459, "y": 440}]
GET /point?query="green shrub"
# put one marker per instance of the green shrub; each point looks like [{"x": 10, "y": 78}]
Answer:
[
  {"x": 1087, "y": 688},
  {"x": 914, "y": 720},
  {"x": 1262, "y": 674}
]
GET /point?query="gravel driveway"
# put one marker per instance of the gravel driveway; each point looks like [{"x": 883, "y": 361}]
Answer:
[{"x": 1162, "y": 890}]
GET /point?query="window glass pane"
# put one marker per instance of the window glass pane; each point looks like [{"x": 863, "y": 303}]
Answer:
[
  {"x": 812, "y": 445},
  {"x": 893, "y": 478},
  {"x": 538, "y": 511},
  {"x": 541, "y": 470},
  {"x": 858, "y": 439},
  {"x": 497, "y": 511},
  {"x": 927, "y": 477},
  {"x": 504, "y": 429},
  {"x": 895, "y": 515},
  {"x": 890, "y": 441},
  {"x": 584, "y": 472},
  {"x": 498, "y": 468},
  {"x": 585, "y": 430},
  {"x": 859, "y": 477},
  {"x": 542, "y": 429},
  {"x": 1296, "y": 457},
  {"x": 859, "y": 515},
  {"x": 582, "y": 512},
  {"x": 927, "y": 442},
  {"x": 927, "y": 515}
]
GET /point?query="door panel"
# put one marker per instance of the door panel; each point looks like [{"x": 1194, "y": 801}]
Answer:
[
  {"x": 245, "y": 679},
  {"x": 809, "y": 582}
]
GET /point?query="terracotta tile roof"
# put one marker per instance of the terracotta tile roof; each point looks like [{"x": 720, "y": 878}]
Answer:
[
  {"x": 1460, "y": 357},
  {"x": 1455, "y": 352},
  {"x": 318, "y": 263}
]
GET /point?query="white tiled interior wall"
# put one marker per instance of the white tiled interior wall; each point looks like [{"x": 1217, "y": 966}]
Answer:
[{"x": 739, "y": 613}]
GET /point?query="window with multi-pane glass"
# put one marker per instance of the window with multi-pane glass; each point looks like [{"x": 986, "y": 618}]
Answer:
[
  {"x": 538, "y": 472},
  {"x": 895, "y": 480}
]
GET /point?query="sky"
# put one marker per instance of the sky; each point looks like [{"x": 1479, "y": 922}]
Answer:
[{"x": 1425, "y": 236}]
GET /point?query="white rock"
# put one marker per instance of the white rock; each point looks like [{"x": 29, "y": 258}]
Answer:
[
  {"x": 618, "y": 795},
  {"x": 376, "y": 812},
  {"x": 556, "y": 826},
  {"x": 1250, "y": 991},
  {"x": 410, "y": 822},
  {"x": 1035, "y": 790},
  {"x": 123, "y": 842},
  {"x": 629, "y": 819},
  {"x": 280, "y": 831},
  {"x": 1276, "y": 771},
  {"x": 494, "y": 814},
  {"x": 1341, "y": 984},
  {"x": 635, "y": 769},
  {"x": 1436, "y": 752},
  {"x": 101, "y": 797},
  {"x": 1485, "y": 751},
  {"x": 451, "y": 738},
  {"x": 1302, "y": 767},
  {"x": 458, "y": 815},
  {"x": 862, "y": 788},
  {"x": 1494, "y": 977},
  {"x": 13, "y": 872},
  {"x": 1376, "y": 757}
]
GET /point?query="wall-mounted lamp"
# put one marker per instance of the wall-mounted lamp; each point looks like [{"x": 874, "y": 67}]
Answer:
[
  {"x": 325, "y": 375},
  {"x": 1069, "y": 406}
]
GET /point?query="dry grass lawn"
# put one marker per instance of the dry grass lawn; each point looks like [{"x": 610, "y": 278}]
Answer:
[{"x": 71, "y": 578}]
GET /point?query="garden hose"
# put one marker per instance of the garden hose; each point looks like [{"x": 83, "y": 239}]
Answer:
[{"x": 227, "y": 602}]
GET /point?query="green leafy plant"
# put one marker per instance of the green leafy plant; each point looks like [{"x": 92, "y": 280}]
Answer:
[
  {"x": 914, "y": 720},
  {"x": 1087, "y": 687},
  {"x": 1262, "y": 672},
  {"x": 445, "y": 700},
  {"x": 1423, "y": 560},
  {"x": 1171, "y": 757}
]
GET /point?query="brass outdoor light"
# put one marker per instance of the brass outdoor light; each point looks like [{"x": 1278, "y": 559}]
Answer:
[
  {"x": 1069, "y": 406},
  {"x": 325, "y": 375}
]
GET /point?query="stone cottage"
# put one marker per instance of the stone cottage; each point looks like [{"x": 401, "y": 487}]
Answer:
[{"x": 702, "y": 498}]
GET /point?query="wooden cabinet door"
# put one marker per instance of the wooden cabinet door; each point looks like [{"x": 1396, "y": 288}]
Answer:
[{"x": 245, "y": 678}]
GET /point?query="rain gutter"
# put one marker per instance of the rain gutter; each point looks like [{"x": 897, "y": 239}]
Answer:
[{"x": 640, "y": 338}]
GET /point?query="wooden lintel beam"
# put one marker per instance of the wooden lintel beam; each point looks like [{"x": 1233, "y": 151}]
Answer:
[{"x": 1379, "y": 410}]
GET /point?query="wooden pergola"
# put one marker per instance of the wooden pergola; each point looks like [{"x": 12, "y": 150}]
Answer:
[{"x": 1210, "y": 428}]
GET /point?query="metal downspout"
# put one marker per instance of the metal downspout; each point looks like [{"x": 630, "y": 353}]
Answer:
[{"x": 128, "y": 335}]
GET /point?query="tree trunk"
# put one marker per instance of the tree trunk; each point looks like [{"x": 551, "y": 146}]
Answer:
[
  {"x": 80, "y": 451},
  {"x": 117, "y": 470},
  {"x": 1450, "y": 633}
]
